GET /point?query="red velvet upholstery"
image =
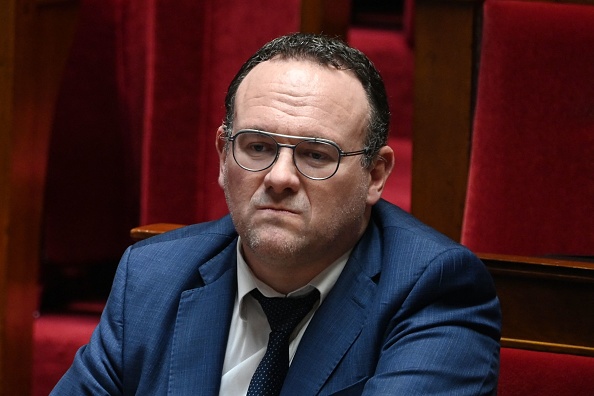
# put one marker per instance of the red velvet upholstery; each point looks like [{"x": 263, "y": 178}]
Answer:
[
  {"x": 192, "y": 52},
  {"x": 91, "y": 195},
  {"x": 408, "y": 22},
  {"x": 57, "y": 338},
  {"x": 524, "y": 373},
  {"x": 531, "y": 182}
]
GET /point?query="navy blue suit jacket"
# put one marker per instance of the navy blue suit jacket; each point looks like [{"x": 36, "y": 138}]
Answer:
[{"x": 413, "y": 313}]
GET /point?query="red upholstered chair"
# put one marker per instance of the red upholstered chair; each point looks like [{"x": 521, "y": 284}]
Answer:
[
  {"x": 134, "y": 137},
  {"x": 192, "y": 54},
  {"x": 91, "y": 196},
  {"x": 531, "y": 181}
]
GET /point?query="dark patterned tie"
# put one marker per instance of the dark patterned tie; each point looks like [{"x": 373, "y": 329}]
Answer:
[{"x": 283, "y": 315}]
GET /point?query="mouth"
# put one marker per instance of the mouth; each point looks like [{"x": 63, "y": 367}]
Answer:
[{"x": 277, "y": 209}]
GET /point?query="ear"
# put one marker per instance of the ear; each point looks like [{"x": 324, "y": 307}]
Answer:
[
  {"x": 221, "y": 144},
  {"x": 379, "y": 171}
]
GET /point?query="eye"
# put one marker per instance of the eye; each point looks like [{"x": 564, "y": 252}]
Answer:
[
  {"x": 260, "y": 148},
  {"x": 255, "y": 144},
  {"x": 315, "y": 154},
  {"x": 257, "y": 147}
]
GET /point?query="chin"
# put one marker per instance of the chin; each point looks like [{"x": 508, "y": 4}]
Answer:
[{"x": 277, "y": 243}]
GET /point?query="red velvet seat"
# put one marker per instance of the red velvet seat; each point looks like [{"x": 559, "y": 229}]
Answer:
[
  {"x": 531, "y": 181},
  {"x": 524, "y": 373},
  {"x": 57, "y": 338}
]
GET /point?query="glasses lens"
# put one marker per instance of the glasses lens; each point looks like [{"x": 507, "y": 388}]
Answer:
[
  {"x": 254, "y": 151},
  {"x": 317, "y": 160}
]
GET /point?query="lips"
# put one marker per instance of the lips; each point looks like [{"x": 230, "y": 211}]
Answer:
[
  {"x": 277, "y": 209},
  {"x": 289, "y": 205}
]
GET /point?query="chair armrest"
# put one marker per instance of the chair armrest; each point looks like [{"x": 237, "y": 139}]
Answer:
[
  {"x": 149, "y": 230},
  {"x": 547, "y": 303}
]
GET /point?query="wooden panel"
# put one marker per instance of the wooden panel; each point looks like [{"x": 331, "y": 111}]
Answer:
[
  {"x": 547, "y": 304},
  {"x": 34, "y": 41},
  {"x": 331, "y": 17},
  {"x": 444, "y": 42}
]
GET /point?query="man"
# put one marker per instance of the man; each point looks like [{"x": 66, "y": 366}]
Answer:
[{"x": 396, "y": 308}]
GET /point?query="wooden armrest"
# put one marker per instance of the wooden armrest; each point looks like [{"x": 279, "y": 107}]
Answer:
[
  {"x": 559, "y": 261},
  {"x": 547, "y": 303},
  {"x": 149, "y": 230}
]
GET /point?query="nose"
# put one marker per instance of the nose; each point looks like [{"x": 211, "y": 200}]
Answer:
[{"x": 283, "y": 175}]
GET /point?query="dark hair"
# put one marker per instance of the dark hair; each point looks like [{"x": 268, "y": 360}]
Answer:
[{"x": 329, "y": 52}]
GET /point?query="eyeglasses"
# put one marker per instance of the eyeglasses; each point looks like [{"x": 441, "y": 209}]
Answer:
[{"x": 314, "y": 158}]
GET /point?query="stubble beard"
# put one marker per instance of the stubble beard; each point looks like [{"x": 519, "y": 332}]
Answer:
[{"x": 274, "y": 246}]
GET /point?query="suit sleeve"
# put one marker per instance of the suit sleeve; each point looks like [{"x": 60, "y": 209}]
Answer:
[
  {"x": 444, "y": 339},
  {"x": 97, "y": 367}
]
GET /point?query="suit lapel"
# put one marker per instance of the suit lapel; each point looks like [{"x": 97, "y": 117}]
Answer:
[
  {"x": 339, "y": 320},
  {"x": 202, "y": 327}
]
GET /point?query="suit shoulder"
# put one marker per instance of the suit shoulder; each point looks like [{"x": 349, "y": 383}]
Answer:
[
  {"x": 186, "y": 250},
  {"x": 412, "y": 250},
  {"x": 186, "y": 247},
  {"x": 212, "y": 230},
  {"x": 396, "y": 224}
]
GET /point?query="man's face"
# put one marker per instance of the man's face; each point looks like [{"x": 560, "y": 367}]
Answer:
[{"x": 281, "y": 215}]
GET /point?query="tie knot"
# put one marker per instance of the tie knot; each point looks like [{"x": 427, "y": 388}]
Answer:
[{"x": 284, "y": 314}]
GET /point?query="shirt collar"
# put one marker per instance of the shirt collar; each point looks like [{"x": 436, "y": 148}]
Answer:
[{"x": 247, "y": 281}]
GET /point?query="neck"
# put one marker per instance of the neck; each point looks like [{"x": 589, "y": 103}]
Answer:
[{"x": 281, "y": 275}]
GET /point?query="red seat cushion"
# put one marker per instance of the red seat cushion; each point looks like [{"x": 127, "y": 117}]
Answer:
[
  {"x": 57, "y": 338},
  {"x": 525, "y": 373}
]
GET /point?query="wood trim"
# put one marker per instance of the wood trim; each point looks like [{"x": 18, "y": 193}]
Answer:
[
  {"x": 539, "y": 267},
  {"x": 445, "y": 48},
  {"x": 546, "y": 347},
  {"x": 547, "y": 303},
  {"x": 331, "y": 17},
  {"x": 150, "y": 230}
]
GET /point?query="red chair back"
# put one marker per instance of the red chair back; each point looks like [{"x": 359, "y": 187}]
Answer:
[
  {"x": 193, "y": 50},
  {"x": 531, "y": 181}
]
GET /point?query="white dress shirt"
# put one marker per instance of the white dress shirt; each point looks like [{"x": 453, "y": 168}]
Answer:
[{"x": 248, "y": 335}]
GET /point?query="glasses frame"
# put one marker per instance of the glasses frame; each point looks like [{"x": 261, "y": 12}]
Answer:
[{"x": 341, "y": 153}]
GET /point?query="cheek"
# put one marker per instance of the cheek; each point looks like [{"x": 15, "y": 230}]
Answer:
[
  {"x": 348, "y": 196},
  {"x": 239, "y": 185}
]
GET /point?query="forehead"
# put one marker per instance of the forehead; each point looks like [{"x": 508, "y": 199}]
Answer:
[{"x": 301, "y": 97}]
